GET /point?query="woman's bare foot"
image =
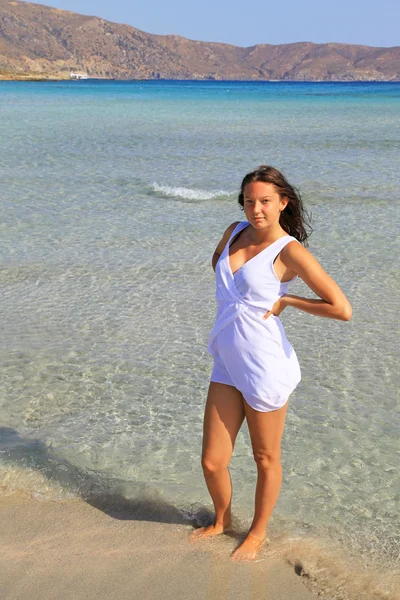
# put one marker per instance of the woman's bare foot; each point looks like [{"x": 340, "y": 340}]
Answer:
[
  {"x": 209, "y": 531},
  {"x": 248, "y": 549}
]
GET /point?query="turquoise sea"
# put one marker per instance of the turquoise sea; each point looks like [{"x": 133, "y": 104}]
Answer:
[{"x": 113, "y": 197}]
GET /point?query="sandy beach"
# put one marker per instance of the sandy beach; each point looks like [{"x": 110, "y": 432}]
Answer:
[{"x": 70, "y": 549}]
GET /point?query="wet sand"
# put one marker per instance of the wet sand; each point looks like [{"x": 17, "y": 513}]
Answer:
[{"x": 73, "y": 550}]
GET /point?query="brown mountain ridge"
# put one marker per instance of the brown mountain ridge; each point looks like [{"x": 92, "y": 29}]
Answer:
[{"x": 37, "y": 41}]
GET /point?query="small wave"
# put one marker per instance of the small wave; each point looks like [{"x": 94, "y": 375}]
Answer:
[
  {"x": 188, "y": 193},
  {"x": 30, "y": 482}
]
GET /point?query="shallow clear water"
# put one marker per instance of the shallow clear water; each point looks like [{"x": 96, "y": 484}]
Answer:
[{"x": 114, "y": 196}]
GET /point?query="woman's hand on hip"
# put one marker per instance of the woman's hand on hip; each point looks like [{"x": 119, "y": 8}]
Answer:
[{"x": 277, "y": 308}]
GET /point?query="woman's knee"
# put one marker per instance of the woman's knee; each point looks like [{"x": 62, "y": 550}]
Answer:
[
  {"x": 214, "y": 464},
  {"x": 268, "y": 459}
]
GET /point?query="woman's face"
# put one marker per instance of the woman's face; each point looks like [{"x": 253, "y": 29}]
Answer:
[{"x": 262, "y": 204}]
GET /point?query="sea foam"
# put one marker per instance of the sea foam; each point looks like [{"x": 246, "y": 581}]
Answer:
[{"x": 188, "y": 193}]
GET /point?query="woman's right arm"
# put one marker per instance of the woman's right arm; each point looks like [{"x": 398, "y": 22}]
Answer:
[{"x": 224, "y": 240}]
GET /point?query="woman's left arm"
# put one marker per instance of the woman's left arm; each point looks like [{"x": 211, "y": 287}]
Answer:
[{"x": 332, "y": 303}]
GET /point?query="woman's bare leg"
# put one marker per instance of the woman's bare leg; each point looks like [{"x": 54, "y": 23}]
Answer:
[
  {"x": 224, "y": 415},
  {"x": 266, "y": 430}
]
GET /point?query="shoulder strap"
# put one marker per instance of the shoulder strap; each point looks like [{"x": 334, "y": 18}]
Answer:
[
  {"x": 280, "y": 244},
  {"x": 239, "y": 227}
]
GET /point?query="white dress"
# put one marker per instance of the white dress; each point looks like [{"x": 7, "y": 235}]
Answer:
[{"x": 252, "y": 354}]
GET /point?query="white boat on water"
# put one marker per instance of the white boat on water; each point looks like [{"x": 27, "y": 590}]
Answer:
[{"x": 78, "y": 75}]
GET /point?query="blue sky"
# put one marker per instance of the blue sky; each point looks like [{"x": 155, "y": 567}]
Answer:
[{"x": 368, "y": 22}]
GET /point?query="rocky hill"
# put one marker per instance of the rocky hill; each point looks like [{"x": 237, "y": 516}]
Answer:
[{"x": 37, "y": 41}]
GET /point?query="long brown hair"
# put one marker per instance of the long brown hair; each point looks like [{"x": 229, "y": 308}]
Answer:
[{"x": 294, "y": 218}]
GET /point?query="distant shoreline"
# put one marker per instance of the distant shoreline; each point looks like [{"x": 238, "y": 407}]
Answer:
[
  {"x": 49, "y": 78},
  {"x": 41, "y": 42}
]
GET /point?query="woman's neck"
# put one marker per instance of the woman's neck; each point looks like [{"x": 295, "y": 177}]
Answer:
[{"x": 266, "y": 235}]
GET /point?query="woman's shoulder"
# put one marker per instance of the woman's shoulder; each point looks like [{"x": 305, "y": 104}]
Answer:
[
  {"x": 295, "y": 254},
  {"x": 226, "y": 236},
  {"x": 229, "y": 230}
]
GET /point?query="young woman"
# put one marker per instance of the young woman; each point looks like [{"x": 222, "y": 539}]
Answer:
[{"x": 255, "y": 367}]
